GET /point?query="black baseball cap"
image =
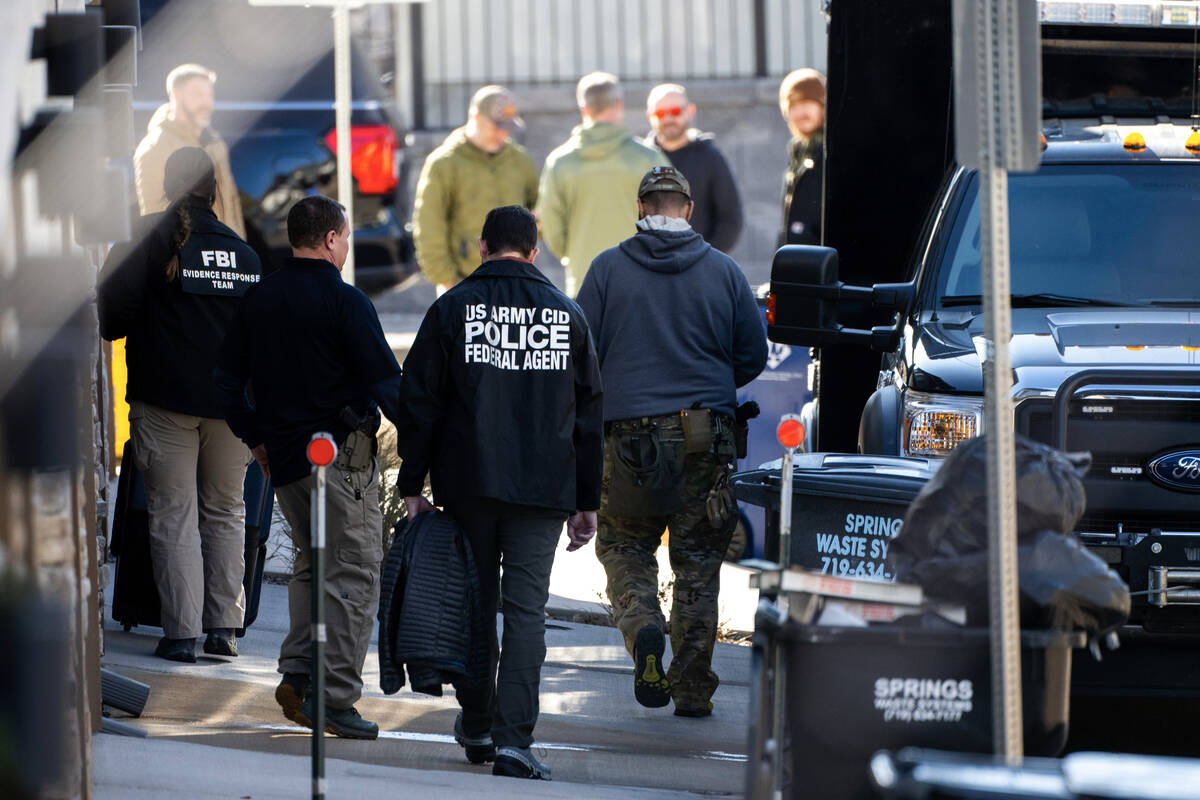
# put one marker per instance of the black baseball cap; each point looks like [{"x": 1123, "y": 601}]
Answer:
[{"x": 664, "y": 179}]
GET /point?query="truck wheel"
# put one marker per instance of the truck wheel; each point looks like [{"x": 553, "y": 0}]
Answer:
[{"x": 879, "y": 428}]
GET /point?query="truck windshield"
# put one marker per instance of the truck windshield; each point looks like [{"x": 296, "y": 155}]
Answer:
[{"x": 1084, "y": 234}]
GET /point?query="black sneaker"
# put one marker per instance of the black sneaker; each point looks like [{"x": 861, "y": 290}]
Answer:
[
  {"x": 480, "y": 749},
  {"x": 181, "y": 650},
  {"x": 518, "y": 762},
  {"x": 221, "y": 642},
  {"x": 694, "y": 711},
  {"x": 343, "y": 722},
  {"x": 650, "y": 685},
  {"x": 290, "y": 693}
]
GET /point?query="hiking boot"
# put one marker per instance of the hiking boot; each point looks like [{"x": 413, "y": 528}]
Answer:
[
  {"x": 480, "y": 749},
  {"x": 650, "y": 685},
  {"x": 704, "y": 710},
  {"x": 182, "y": 650},
  {"x": 290, "y": 693},
  {"x": 343, "y": 722},
  {"x": 518, "y": 762},
  {"x": 221, "y": 642}
]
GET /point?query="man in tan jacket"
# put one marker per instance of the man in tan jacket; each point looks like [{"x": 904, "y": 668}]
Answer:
[{"x": 185, "y": 121}]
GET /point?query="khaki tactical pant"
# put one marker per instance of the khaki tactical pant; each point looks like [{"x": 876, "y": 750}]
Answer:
[
  {"x": 194, "y": 469},
  {"x": 626, "y": 546},
  {"x": 353, "y": 555}
]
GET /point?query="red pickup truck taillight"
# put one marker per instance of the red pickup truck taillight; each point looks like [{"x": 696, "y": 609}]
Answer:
[{"x": 372, "y": 156}]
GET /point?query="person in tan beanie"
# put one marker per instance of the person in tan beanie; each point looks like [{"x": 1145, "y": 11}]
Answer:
[{"x": 802, "y": 104}]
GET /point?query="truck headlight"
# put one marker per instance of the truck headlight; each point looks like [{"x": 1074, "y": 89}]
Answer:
[{"x": 934, "y": 424}]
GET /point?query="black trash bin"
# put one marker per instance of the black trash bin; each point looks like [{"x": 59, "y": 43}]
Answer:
[
  {"x": 846, "y": 509},
  {"x": 853, "y": 691}
]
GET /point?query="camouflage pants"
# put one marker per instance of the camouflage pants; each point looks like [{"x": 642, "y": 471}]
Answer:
[{"x": 626, "y": 546}]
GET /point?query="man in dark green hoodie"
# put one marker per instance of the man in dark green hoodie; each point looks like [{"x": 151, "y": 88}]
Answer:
[
  {"x": 586, "y": 199},
  {"x": 479, "y": 167},
  {"x": 677, "y": 332}
]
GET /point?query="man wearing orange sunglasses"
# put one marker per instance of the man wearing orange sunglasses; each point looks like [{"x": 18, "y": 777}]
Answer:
[{"x": 717, "y": 212}]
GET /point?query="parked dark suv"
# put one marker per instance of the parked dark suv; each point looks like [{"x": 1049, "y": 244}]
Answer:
[{"x": 274, "y": 107}]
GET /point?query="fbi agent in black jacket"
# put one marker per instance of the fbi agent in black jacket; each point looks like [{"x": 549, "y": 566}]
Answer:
[
  {"x": 171, "y": 294},
  {"x": 501, "y": 407},
  {"x": 310, "y": 351}
]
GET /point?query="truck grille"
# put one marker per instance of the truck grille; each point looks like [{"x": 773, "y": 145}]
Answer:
[{"x": 1124, "y": 432}]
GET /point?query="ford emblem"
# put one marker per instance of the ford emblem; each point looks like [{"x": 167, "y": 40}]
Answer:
[{"x": 1177, "y": 470}]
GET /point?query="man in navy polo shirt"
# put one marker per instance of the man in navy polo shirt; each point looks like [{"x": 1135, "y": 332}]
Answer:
[{"x": 309, "y": 352}]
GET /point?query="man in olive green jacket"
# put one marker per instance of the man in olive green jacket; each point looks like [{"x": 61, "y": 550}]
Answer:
[
  {"x": 477, "y": 168},
  {"x": 589, "y": 184},
  {"x": 185, "y": 120}
]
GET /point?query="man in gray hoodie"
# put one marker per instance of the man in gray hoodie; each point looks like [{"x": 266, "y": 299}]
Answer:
[{"x": 677, "y": 332}]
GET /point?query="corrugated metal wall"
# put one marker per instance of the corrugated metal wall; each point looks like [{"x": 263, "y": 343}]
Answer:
[{"x": 467, "y": 43}]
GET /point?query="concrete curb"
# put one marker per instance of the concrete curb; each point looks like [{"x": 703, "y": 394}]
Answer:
[{"x": 581, "y": 615}]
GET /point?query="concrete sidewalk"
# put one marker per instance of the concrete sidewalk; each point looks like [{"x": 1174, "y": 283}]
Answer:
[
  {"x": 215, "y": 730},
  {"x": 140, "y": 769}
]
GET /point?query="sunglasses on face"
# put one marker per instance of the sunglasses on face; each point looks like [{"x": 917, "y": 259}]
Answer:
[{"x": 663, "y": 113}]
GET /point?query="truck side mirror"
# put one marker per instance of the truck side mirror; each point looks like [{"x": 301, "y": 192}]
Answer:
[
  {"x": 802, "y": 308},
  {"x": 802, "y": 305}
]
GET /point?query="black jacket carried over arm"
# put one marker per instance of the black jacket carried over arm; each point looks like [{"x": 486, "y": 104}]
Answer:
[
  {"x": 501, "y": 395},
  {"x": 173, "y": 328},
  {"x": 430, "y": 609}
]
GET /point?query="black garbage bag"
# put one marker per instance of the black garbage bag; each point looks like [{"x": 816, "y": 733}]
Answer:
[
  {"x": 1071, "y": 586},
  {"x": 948, "y": 518},
  {"x": 1063, "y": 586},
  {"x": 943, "y": 545}
]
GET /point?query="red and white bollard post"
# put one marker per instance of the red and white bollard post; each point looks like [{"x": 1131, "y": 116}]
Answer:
[
  {"x": 790, "y": 434},
  {"x": 322, "y": 450}
]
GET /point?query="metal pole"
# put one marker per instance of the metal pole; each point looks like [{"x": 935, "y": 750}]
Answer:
[
  {"x": 1001, "y": 496},
  {"x": 318, "y": 634},
  {"x": 760, "y": 38},
  {"x": 416, "y": 33},
  {"x": 785, "y": 509},
  {"x": 993, "y": 41},
  {"x": 785, "y": 559},
  {"x": 342, "y": 100}
]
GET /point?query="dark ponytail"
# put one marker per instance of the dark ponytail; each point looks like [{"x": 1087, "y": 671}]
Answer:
[{"x": 183, "y": 229}]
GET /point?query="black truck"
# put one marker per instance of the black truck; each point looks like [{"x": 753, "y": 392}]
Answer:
[{"x": 1104, "y": 280}]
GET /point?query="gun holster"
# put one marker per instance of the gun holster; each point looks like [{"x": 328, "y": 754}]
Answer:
[{"x": 358, "y": 449}]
